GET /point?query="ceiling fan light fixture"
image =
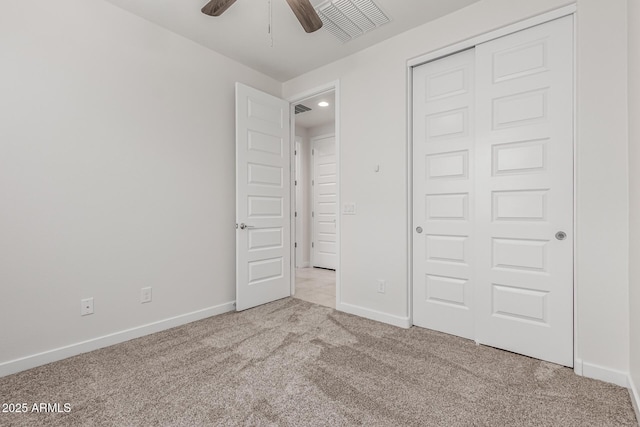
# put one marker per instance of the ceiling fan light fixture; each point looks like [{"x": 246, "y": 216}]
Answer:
[
  {"x": 217, "y": 7},
  {"x": 323, "y": 104},
  {"x": 303, "y": 9},
  {"x": 306, "y": 14}
]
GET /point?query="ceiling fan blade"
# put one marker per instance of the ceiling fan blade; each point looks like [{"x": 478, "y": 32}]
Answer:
[
  {"x": 306, "y": 14},
  {"x": 217, "y": 7}
]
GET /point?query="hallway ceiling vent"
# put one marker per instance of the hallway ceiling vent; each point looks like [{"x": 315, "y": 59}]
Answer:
[
  {"x": 348, "y": 19},
  {"x": 302, "y": 109}
]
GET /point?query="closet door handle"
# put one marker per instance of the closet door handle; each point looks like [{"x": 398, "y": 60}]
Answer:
[{"x": 418, "y": 230}]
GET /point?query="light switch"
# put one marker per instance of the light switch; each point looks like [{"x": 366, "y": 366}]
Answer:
[{"x": 349, "y": 209}]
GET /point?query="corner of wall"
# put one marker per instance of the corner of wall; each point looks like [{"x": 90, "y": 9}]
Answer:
[
  {"x": 633, "y": 37},
  {"x": 635, "y": 397},
  {"x": 378, "y": 316}
]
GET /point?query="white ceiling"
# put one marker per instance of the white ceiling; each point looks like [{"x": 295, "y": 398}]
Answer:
[
  {"x": 241, "y": 32},
  {"x": 318, "y": 116}
]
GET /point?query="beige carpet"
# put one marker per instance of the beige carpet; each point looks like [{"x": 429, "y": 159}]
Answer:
[{"x": 293, "y": 363}]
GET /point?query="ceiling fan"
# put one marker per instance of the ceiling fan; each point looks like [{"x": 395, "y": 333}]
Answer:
[{"x": 303, "y": 10}]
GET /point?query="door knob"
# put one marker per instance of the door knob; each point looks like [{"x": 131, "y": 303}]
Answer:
[
  {"x": 561, "y": 235},
  {"x": 419, "y": 230},
  {"x": 243, "y": 226}
]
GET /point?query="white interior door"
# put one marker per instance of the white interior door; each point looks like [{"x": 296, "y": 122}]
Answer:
[
  {"x": 263, "y": 193},
  {"x": 525, "y": 192},
  {"x": 325, "y": 198},
  {"x": 299, "y": 210},
  {"x": 493, "y": 193},
  {"x": 443, "y": 154}
]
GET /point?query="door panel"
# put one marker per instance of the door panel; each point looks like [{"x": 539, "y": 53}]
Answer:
[
  {"x": 524, "y": 291},
  {"x": 263, "y": 248},
  {"x": 324, "y": 202},
  {"x": 299, "y": 261},
  {"x": 443, "y": 109}
]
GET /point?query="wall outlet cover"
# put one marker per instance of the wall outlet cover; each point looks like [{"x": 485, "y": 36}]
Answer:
[
  {"x": 145, "y": 295},
  {"x": 86, "y": 306}
]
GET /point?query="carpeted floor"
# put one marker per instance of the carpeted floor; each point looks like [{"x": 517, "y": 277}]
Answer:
[{"x": 293, "y": 363}]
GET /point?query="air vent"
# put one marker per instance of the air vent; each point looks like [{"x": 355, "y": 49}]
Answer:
[
  {"x": 302, "y": 109},
  {"x": 348, "y": 19}
]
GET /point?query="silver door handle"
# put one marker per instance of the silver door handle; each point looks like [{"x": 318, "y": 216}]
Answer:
[
  {"x": 561, "y": 235},
  {"x": 243, "y": 226},
  {"x": 418, "y": 230}
]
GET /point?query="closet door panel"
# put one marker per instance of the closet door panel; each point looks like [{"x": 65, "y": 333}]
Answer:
[
  {"x": 443, "y": 108},
  {"x": 524, "y": 192}
]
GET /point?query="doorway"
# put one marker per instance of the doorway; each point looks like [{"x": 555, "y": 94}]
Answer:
[{"x": 316, "y": 199}]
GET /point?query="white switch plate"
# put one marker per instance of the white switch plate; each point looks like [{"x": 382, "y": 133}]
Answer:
[
  {"x": 145, "y": 295},
  {"x": 349, "y": 209},
  {"x": 86, "y": 306},
  {"x": 382, "y": 286}
]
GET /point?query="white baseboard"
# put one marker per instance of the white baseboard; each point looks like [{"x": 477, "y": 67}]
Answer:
[
  {"x": 635, "y": 397},
  {"x": 577, "y": 367},
  {"x": 401, "y": 322},
  {"x": 591, "y": 370},
  {"x": 32, "y": 361}
]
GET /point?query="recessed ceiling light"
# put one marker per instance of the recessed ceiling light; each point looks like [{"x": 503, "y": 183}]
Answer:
[{"x": 323, "y": 104}]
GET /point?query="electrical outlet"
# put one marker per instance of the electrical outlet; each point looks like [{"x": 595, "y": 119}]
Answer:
[
  {"x": 145, "y": 295},
  {"x": 382, "y": 285},
  {"x": 86, "y": 306}
]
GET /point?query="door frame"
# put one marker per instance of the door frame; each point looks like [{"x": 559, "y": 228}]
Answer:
[
  {"x": 332, "y": 86},
  {"x": 313, "y": 191},
  {"x": 569, "y": 10}
]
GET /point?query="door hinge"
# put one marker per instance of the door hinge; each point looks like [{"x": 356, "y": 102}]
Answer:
[
  {"x": 313, "y": 152},
  {"x": 296, "y": 214},
  {"x": 313, "y": 245},
  {"x": 296, "y": 182},
  {"x": 295, "y": 152},
  {"x": 313, "y": 182},
  {"x": 295, "y": 245},
  {"x": 313, "y": 214}
]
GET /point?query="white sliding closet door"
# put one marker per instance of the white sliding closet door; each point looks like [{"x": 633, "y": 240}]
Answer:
[
  {"x": 493, "y": 193},
  {"x": 524, "y": 179},
  {"x": 443, "y": 194}
]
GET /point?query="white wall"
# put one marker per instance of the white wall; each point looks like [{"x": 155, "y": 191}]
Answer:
[
  {"x": 374, "y": 131},
  {"x": 326, "y": 129},
  {"x": 602, "y": 197},
  {"x": 116, "y": 172},
  {"x": 634, "y": 192}
]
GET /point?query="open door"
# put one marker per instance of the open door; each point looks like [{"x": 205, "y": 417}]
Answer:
[{"x": 263, "y": 195}]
